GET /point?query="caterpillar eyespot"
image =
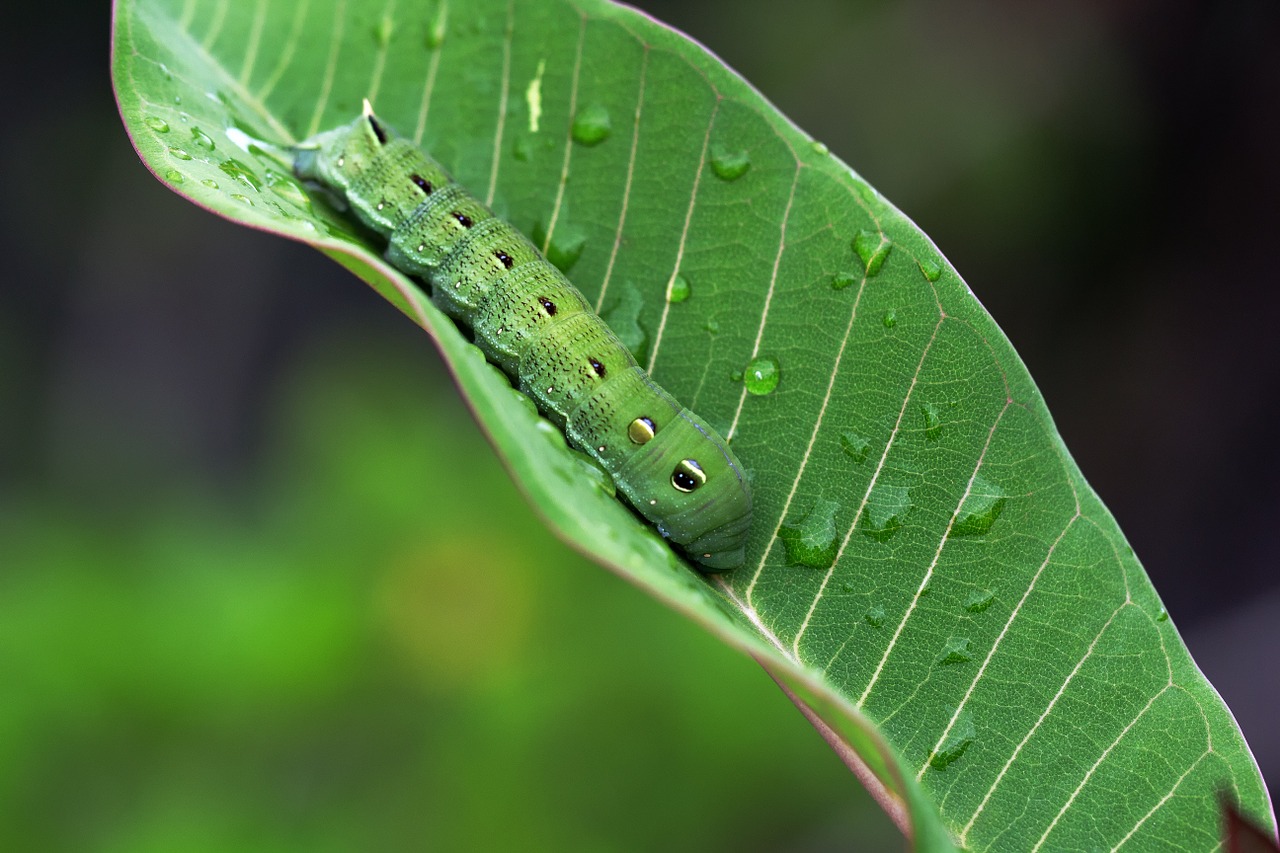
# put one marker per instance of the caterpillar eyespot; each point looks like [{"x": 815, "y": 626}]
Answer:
[
  {"x": 641, "y": 430},
  {"x": 527, "y": 318},
  {"x": 688, "y": 475}
]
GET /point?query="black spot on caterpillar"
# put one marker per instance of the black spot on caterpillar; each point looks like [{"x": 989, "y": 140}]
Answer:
[{"x": 527, "y": 318}]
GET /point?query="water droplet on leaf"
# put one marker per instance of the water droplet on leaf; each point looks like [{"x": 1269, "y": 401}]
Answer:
[
  {"x": 843, "y": 279},
  {"x": 979, "y": 600},
  {"x": 566, "y": 245},
  {"x": 961, "y": 735},
  {"x": 591, "y": 125},
  {"x": 678, "y": 290},
  {"x": 173, "y": 176},
  {"x": 157, "y": 124},
  {"x": 811, "y": 541},
  {"x": 820, "y": 148},
  {"x": 854, "y": 446},
  {"x": 980, "y": 508},
  {"x": 872, "y": 247},
  {"x": 382, "y": 32},
  {"x": 875, "y": 617},
  {"x": 890, "y": 319},
  {"x": 179, "y": 153},
  {"x": 238, "y": 171},
  {"x": 932, "y": 269},
  {"x": 956, "y": 650},
  {"x": 761, "y": 375},
  {"x": 932, "y": 422},
  {"x": 201, "y": 138},
  {"x": 729, "y": 165},
  {"x": 435, "y": 33},
  {"x": 887, "y": 507},
  {"x": 288, "y": 189},
  {"x": 243, "y": 199},
  {"x": 210, "y": 183}
]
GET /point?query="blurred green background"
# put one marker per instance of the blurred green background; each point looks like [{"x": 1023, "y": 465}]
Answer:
[{"x": 263, "y": 586}]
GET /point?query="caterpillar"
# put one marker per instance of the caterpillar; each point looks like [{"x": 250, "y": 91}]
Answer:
[{"x": 530, "y": 321}]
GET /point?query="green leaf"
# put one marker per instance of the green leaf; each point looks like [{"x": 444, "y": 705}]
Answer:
[{"x": 929, "y": 576}]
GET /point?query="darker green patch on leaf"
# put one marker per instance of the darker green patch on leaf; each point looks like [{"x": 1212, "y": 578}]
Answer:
[{"x": 812, "y": 541}]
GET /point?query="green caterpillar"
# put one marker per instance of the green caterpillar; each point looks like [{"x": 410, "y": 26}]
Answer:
[{"x": 527, "y": 318}]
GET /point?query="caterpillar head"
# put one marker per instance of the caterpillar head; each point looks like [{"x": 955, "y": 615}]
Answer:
[{"x": 336, "y": 157}]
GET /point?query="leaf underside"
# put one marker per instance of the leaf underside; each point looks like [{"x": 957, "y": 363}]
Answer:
[{"x": 928, "y": 571}]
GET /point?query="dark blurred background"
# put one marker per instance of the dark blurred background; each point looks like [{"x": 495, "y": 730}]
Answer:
[{"x": 243, "y": 598}]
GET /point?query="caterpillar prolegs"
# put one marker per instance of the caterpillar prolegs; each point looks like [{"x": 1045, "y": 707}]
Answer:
[{"x": 530, "y": 321}]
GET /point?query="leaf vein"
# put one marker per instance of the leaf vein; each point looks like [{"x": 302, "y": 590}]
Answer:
[
  {"x": 568, "y": 136},
  {"x": 626, "y": 187},
  {"x": 684, "y": 237},
  {"x": 504, "y": 94}
]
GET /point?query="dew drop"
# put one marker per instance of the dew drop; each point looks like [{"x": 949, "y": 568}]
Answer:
[
  {"x": 729, "y": 165},
  {"x": 843, "y": 279},
  {"x": 288, "y": 189},
  {"x": 979, "y": 510},
  {"x": 566, "y": 244},
  {"x": 435, "y": 32},
  {"x": 678, "y": 290},
  {"x": 761, "y": 375},
  {"x": 958, "y": 739},
  {"x": 875, "y": 617},
  {"x": 382, "y": 32},
  {"x": 735, "y": 376},
  {"x": 932, "y": 422},
  {"x": 820, "y": 148},
  {"x": 887, "y": 507},
  {"x": 956, "y": 650},
  {"x": 243, "y": 199},
  {"x": 872, "y": 247},
  {"x": 201, "y": 138},
  {"x": 979, "y": 600},
  {"x": 890, "y": 319},
  {"x": 179, "y": 153},
  {"x": 210, "y": 183},
  {"x": 854, "y": 446},
  {"x": 712, "y": 325},
  {"x": 173, "y": 176},
  {"x": 864, "y": 191},
  {"x": 932, "y": 269},
  {"x": 591, "y": 125},
  {"x": 240, "y": 172},
  {"x": 1163, "y": 615},
  {"x": 812, "y": 541},
  {"x": 157, "y": 124}
]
